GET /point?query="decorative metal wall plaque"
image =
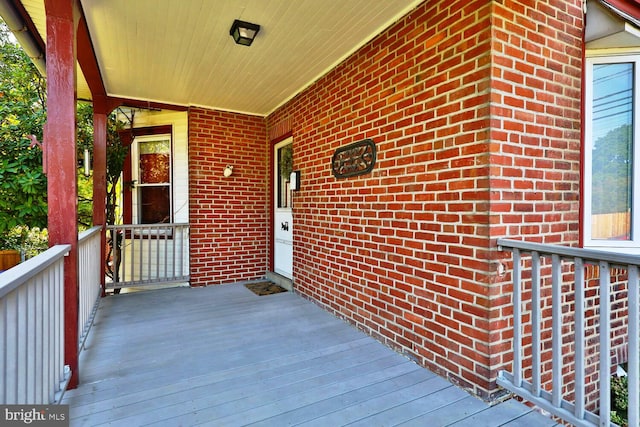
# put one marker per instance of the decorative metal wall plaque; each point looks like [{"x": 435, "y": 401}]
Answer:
[{"x": 354, "y": 159}]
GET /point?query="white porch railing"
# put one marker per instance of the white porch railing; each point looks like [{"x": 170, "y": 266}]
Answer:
[
  {"x": 568, "y": 266},
  {"x": 32, "y": 330},
  {"x": 148, "y": 254},
  {"x": 90, "y": 269}
]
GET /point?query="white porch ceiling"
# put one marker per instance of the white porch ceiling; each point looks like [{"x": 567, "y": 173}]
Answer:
[{"x": 180, "y": 52}]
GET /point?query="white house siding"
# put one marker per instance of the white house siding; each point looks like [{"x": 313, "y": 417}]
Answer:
[{"x": 180, "y": 169}]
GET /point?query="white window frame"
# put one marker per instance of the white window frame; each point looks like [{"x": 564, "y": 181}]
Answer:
[
  {"x": 135, "y": 172},
  {"x": 632, "y": 245}
]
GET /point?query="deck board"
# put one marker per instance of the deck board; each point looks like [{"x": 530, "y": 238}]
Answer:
[{"x": 223, "y": 356}]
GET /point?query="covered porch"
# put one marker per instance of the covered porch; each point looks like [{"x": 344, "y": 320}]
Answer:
[
  {"x": 470, "y": 143},
  {"x": 222, "y": 355}
]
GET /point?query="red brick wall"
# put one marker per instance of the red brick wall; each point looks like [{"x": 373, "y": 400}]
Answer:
[
  {"x": 229, "y": 216},
  {"x": 475, "y": 111},
  {"x": 403, "y": 252},
  {"x": 536, "y": 90},
  {"x": 535, "y": 150}
]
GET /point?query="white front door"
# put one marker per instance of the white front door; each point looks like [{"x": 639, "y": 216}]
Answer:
[{"x": 283, "y": 216}]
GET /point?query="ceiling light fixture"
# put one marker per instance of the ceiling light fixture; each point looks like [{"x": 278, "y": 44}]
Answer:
[{"x": 244, "y": 32}]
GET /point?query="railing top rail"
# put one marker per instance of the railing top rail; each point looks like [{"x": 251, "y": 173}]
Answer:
[
  {"x": 16, "y": 276},
  {"x": 86, "y": 234},
  {"x": 588, "y": 255},
  {"x": 139, "y": 226}
]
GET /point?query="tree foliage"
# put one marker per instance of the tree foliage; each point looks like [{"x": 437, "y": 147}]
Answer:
[
  {"x": 620, "y": 400},
  {"x": 612, "y": 171},
  {"x": 84, "y": 140},
  {"x": 23, "y": 185},
  {"x": 116, "y": 155}
]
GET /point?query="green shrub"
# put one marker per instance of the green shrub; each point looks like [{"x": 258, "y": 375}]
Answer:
[
  {"x": 29, "y": 241},
  {"x": 619, "y": 400}
]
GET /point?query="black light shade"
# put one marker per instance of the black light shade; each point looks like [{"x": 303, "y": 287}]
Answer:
[{"x": 244, "y": 32}]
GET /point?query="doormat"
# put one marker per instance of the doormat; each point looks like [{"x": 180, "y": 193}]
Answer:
[{"x": 265, "y": 288}]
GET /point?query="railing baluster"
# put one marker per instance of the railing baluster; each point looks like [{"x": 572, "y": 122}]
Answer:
[
  {"x": 125, "y": 248},
  {"x": 178, "y": 248},
  {"x": 634, "y": 348},
  {"x": 161, "y": 251},
  {"x": 579, "y": 337},
  {"x": 130, "y": 254},
  {"x": 158, "y": 235},
  {"x": 150, "y": 257},
  {"x": 136, "y": 255},
  {"x": 47, "y": 368},
  {"x": 29, "y": 343},
  {"x": 133, "y": 240},
  {"x": 535, "y": 323},
  {"x": 517, "y": 319},
  {"x": 145, "y": 243},
  {"x": 120, "y": 274},
  {"x": 556, "y": 329},
  {"x": 140, "y": 253},
  {"x": 184, "y": 251},
  {"x": 10, "y": 373},
  {"x": 23, "y": 336},
  {"x": 40, "y": 389},
  {"x": 605, "y": 345},
  {"x": 150, "y": 237},
  {"x": 171, "y": 231},
  {"x": 177, "y": 238},
  {"x": 59, "y": 307}
]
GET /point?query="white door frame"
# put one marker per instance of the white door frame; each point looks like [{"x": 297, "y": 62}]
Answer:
[{"x": 282, "y": 221}]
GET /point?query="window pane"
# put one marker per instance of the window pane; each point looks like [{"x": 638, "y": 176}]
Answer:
[
  {"x": 612, "y": 146},
  {"x": 154, "y": 161},
  {"x": 285, "y": 167},
  {"x": 154, "y": 204}
]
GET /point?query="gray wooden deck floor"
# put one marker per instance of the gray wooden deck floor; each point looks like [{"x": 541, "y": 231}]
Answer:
[{"x": 223, "y": 356}]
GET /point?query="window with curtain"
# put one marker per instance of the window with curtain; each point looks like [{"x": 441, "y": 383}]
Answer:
[{"x": 153, "y": 181}]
